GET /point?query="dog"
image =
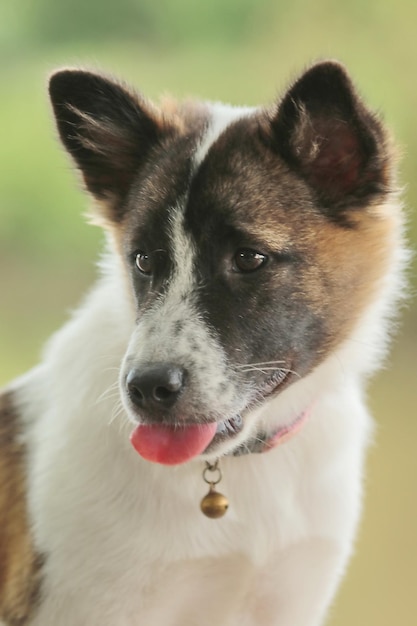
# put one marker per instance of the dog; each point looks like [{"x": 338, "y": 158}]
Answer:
[{"x": 190, "y": 449}]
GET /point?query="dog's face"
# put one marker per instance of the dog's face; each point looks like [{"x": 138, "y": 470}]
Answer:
[{"x": 253, "y": 239}]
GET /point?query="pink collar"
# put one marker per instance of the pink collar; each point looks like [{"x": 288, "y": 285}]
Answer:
[{"x": 264, "y": 442}]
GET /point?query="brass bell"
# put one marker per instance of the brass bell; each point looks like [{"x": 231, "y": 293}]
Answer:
[{"x": 214, "y": 504}]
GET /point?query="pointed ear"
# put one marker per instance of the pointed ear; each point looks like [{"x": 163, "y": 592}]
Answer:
[
  {"x": 108, "y": 131},
  {"x": 327, "y": 135}
]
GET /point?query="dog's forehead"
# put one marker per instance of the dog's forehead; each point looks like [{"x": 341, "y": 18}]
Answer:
[
  {"x": 219, "y": 175},
  {"x": 164, "y": 185},
  {"x": 243, "y": 186}
]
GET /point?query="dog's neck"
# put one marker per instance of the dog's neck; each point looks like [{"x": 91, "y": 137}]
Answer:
[
  {"x": 215, "y": 504},
  {"x": 263, "y": 441}
]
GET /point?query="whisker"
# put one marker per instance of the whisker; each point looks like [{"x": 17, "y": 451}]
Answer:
[
  {"x": 116, "y": 413},
  {"x": 110, "y": 392},
  {"x": 260, "y": 364},
  {"x": 262, "y": 369},
  {"x": 295, "y": 373},
  {"x": 265, "y": 370}
]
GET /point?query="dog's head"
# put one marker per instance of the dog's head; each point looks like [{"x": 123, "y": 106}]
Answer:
[{"x": 254, "y": 239}]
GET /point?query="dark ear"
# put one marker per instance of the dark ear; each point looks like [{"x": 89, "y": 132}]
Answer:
[
  {"x": 107, "y": 130},
  {"x": 326, "y": 134}
]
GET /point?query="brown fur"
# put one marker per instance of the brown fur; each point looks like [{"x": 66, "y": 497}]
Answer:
[{"x": 20, "y": 565}]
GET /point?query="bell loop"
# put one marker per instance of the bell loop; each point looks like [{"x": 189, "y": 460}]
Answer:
[{"x": 214, "y": 469}]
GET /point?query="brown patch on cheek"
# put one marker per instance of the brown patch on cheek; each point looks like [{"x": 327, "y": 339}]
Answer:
[
  {"x": 20, "y": 565},
  {"x": 346, "y": 269}
]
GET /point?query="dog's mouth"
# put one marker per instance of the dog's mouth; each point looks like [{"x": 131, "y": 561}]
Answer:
[
  {"x": 232, "y": 427},
  {"x": 177, "y": 444}
]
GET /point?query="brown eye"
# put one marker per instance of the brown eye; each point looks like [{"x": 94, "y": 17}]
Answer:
[
  {"x": 144, "y": 263},
  {"x": 247, "y": 260}
]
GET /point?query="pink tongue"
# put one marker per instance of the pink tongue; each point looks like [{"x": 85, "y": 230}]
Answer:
[{"x": 169, "y": 445}]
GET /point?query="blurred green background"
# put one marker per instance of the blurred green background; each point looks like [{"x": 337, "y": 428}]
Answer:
[{"x": 243, "y": 52}]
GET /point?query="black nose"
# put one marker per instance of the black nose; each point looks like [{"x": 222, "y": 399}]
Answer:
[{"x": 155, "y": 386}]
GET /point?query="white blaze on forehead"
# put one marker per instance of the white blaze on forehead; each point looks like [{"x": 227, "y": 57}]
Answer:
[
  {"x": 182, "y": 250},
  {"x": 221, "y": 116}
]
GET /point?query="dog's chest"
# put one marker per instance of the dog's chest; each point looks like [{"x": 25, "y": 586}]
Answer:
[
  {"x": 198, "y": 592},
  {"x": 145, "y": 554},
  {"x": 158, "y": 568}
]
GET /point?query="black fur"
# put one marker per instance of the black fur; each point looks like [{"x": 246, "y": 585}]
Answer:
[
  {"x": 326, "y": 135},
  {"x": 107, "y": 130}
]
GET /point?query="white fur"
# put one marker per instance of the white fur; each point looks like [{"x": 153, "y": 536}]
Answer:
[
  {"x": 222, "y": 115},
  {"x": 124, "y": 539}
]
